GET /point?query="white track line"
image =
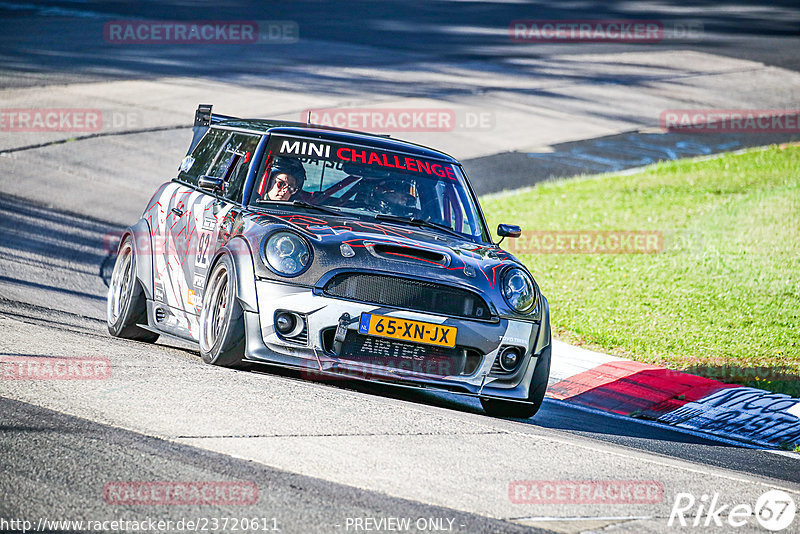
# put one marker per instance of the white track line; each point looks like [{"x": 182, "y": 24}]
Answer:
[{"x": 601, "y": 518}]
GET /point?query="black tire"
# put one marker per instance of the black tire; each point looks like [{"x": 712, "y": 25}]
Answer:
[
  {"x": 524, "y": 410},
  {"x": 222, "y": 332},
  {"x": 126, "y": 305}
]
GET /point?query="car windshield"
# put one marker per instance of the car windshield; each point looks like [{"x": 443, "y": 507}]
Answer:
[{"x": 366, "y": 181}]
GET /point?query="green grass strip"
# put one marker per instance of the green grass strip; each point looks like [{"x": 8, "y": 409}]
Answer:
[{"x": 721, "y": 299}]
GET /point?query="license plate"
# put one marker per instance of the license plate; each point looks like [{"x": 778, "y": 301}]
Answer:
[{"x": 414, "y": 331}]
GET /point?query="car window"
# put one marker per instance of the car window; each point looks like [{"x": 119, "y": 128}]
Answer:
[
  {"x": 452, "y": 209},
  {"x": 233, "y": 164},
  {"x": 196, "y": 164},
  {"x": 362, "y": 180}
]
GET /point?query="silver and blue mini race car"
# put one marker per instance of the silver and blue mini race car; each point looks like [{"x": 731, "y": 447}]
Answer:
[{"x": 341, "y": 253}]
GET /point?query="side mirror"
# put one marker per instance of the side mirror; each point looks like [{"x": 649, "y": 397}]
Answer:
[
  {"x": 508, "y": 230},
  {"x": 210, "y": 183}
]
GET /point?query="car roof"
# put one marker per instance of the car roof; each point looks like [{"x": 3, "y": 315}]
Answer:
[{"x": 336, "y": 135}]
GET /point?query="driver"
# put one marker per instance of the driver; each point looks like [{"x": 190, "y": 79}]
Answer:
[
  {"x": 393, "y": 197},
  {"x": 286, "y": 178}
]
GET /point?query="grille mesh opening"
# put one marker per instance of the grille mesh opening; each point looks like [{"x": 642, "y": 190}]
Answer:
[{"x": 408, "y": 294}]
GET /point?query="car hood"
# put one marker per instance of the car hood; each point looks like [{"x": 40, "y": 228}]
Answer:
[{"x": 349, "y": 243}]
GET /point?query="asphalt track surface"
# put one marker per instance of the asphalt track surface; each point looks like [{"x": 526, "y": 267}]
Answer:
[{"x": 319, "y": 452}]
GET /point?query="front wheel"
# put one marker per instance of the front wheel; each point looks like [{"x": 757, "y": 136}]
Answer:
[
  {"x": 524, "y": 410},
  {"x": 222, "y": 332},
  {"x": 126, "y": 305}
]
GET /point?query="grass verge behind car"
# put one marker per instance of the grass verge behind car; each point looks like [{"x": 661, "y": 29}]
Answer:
[{"x": 721, "y": 299}]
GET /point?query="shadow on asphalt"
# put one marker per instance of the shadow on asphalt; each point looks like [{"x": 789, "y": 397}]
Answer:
[
  {"x": 613, "y": 153},
  {"x": 31, "y": 228},
  {"x": 70, "y": 40}
]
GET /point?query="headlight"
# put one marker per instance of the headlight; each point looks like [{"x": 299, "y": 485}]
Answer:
[
  {"x": 287, "y": 253},
  {"x": 518, "y": 290}
]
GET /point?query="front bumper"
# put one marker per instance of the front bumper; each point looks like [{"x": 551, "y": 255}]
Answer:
[{"x": 312, "y": 353}]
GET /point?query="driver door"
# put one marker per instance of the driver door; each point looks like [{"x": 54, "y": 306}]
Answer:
[{"x": 212, "y": 214}]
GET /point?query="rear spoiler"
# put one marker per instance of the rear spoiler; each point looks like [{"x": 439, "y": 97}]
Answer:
[{"x": 204, "y": 118}]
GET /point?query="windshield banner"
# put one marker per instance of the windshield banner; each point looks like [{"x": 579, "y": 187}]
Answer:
[{"x": 362, "y": 156}]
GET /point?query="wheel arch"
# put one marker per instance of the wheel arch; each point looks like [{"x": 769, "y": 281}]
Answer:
[
  {"x": 238, "y": 250},
  {"x": 544, "y": 338},
  {"x": 142, "y": 241}
]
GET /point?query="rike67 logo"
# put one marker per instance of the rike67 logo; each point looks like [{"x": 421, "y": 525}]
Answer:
[{"x": 774, "y": 510}]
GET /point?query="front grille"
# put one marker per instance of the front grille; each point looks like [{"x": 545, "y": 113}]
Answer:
[
  {"x": 302, "y": 337},
  {"x": 497, "y": 369},
  {"x": 403, "y": 356},
  {"x": 409, "y": 294}
]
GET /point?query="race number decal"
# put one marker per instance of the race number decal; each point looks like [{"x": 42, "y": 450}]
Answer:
[{"x": 201, "y": 260}]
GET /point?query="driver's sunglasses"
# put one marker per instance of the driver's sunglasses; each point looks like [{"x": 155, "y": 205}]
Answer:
[{"x": 283, "y": 184}]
